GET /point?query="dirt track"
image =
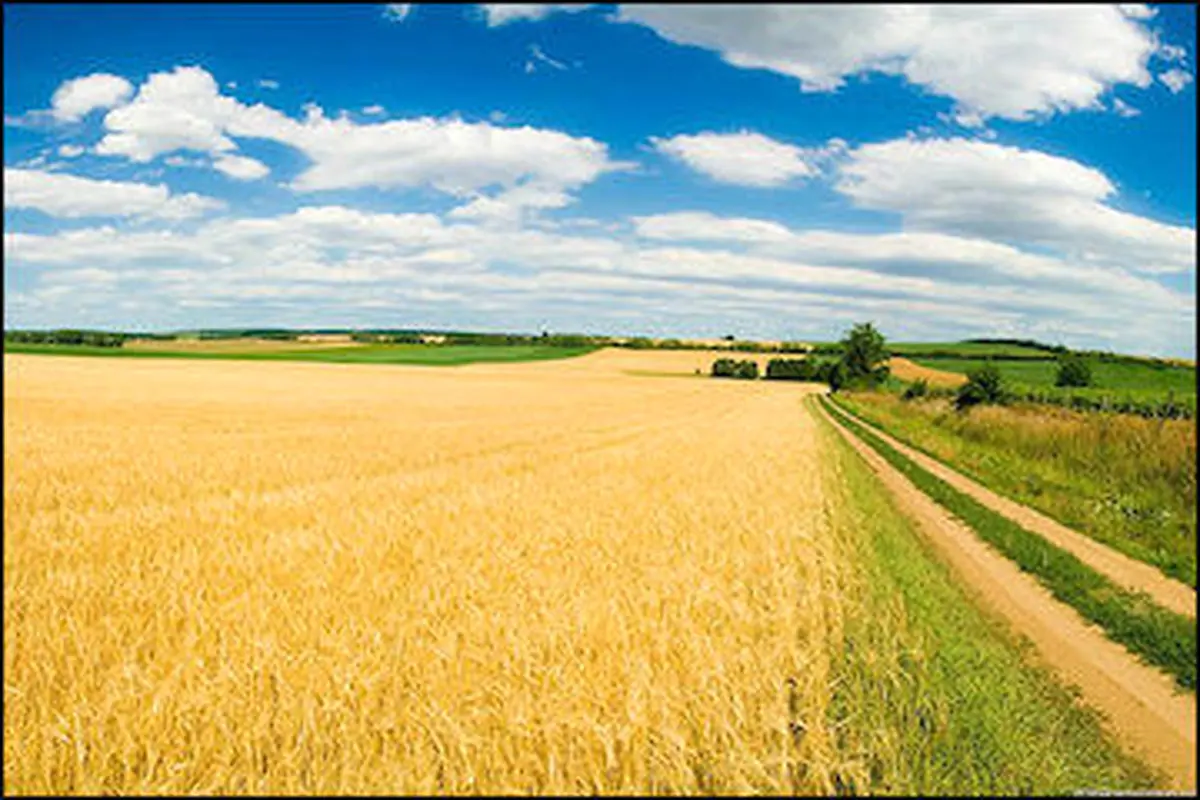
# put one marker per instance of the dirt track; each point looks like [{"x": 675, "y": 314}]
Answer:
[
  {"x": 1144, "y": 710},
  {"x": 1116, "y": 566}
]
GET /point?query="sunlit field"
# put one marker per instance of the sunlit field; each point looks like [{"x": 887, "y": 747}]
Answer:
[{"x": 236, "y": 577}]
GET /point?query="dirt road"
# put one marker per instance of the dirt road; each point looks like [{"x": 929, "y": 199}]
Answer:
[
  {"x": 1144, "y": 710},
  {"x": 1116, "y": 566}
]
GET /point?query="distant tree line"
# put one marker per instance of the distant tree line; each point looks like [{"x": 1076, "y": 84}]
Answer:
[
  {"x": 68, "y": 337},
  {"x": 861, "y": 363}
]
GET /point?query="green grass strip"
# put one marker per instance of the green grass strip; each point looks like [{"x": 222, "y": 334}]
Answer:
[{"x": 1159, "y": 637}]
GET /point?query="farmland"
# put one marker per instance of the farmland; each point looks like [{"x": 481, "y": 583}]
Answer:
[
  {"x": 1137, "y": 378},
  {"x": 566, "y": 576},
  {"x": 255, "y": 350}
]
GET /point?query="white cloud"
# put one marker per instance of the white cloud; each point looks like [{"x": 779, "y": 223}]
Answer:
[
  {"x": 744, "y": 158},
  {"x": 1123, "y": 109},
  {"x": 396, "y": 12},
  {"x": 184, "y": 110},
  {"x": 701, "y": 226},
  {"x": 1171, "y": 52},
  {"x": 330, "y": 260},
  {"x": 1176, "y": 79},
  {"x": 178, "y": 110},
  {"x": 74, "y": 99},
  {"x": 1007, "y": 61},
  {"x": 1136, "y": 10},
  {"x": 1007, "y": 194},
  {"x": 71, "y": 196},
  {"x": 241, "y": 168},
  {"x": 267, "y": 83},
  {"x": 504, "y": 13},
  {"x": 70, "y": 150},
  {"x": 539, "y": 57},
  {"x": 375, "y": 110}
]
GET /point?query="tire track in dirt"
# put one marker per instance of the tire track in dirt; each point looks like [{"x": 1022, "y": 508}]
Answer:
[
  {"x": 1129, "y": 573},
  {"x": 1143, "y": 709}
]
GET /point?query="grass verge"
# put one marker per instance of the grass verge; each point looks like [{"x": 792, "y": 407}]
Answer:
[
  {"x": 1157, "y": 636},
  {"x": 932, "y": 695},
  {"x": 1125, "y": 481}
]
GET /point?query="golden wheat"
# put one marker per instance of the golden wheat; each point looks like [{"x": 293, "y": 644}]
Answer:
[{"x": 236, "y": 577}]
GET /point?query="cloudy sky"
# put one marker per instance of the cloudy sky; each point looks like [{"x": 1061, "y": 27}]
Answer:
[{"x": 785, "y": 171}]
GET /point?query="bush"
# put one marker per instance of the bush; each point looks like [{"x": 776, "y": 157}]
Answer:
[
  {"x": 790, "y": 369},
  {"x": 746, "y": 370},
  {"x": 984, "y": 385},
  {"x": 730, "y": 368},
  {"x": 1073, "y": 371},
  {"x": 916, "y": 389}
]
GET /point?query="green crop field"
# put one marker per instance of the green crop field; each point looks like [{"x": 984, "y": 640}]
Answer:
[
  {"x": 431, "y": 355},
  {"x": 1136, "y": 378},
  {"x": 968, "y": 350}
]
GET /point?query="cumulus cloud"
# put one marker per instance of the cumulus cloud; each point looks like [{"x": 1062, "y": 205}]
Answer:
[
  {"x": 1007, "y": 194},
  {"x": 374, "y": 110},
  {"x": 744, "y": 158},
  {"x": 76, "y": 98},
  {"x": 504, "y": 13},
  {"x": 184, "y": 110},
  {"x": 241, "y": 168},
  {"x": 1176, "y": 79},
  {"x": 1009, "y": 61},
  {"x": 701, "y": 226},
  {"x": 325, "y": 258},
  {"x": 71, "y": 196},
  {"x": 70, "y": 150},
  {"x": 267, "y": 83}
]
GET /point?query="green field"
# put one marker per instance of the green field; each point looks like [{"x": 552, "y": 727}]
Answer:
[
  {"x": 968, "y": 350},
  {"x": 1134, "y": 378},
  {"x": 418, "y": 354}
]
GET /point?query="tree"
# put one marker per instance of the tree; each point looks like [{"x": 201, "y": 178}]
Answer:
[
  {"x": 984, "y": 385},
  {"x": 835, "y": 375},
  {"x": 1073, "y": 371},
  {"x": 864, "y": 354}
]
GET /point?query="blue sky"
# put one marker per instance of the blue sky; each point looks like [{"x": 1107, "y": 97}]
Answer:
[{"x": 764, "y": 171}]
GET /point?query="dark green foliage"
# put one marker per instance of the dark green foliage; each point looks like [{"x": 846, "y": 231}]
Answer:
[
  {"x": 1030, "y": 343},
  {"x": 791, "y": 369},
  {"x": 916, "y": 389},
  {"x": 67, "y": 337},
  {"x": 984, "y": 385},
  {"x": 1073, "y": 371},
  {"x": 835, "y": 375},
  {"x": 732, "y": 368},
  {"x": 1160, "y": 637},
  {"x": 864, "y": 352}
]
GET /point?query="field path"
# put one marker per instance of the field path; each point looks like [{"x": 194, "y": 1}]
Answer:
[
  {"x": 1142, "y": 706},
  {"x": 1126, "y": 572}
]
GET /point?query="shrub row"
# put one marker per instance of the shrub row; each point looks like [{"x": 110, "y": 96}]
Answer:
[
  {"x": 732, "y": 368},
  {"x": 71, "y": 337}
]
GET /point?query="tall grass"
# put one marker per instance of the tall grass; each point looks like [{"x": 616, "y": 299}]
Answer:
[
  {"x": 1159, "y": 637},
  {"x": 1127, "y": 481}
]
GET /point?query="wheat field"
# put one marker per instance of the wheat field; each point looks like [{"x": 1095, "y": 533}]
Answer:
[{"x": 230, "y": 577}]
